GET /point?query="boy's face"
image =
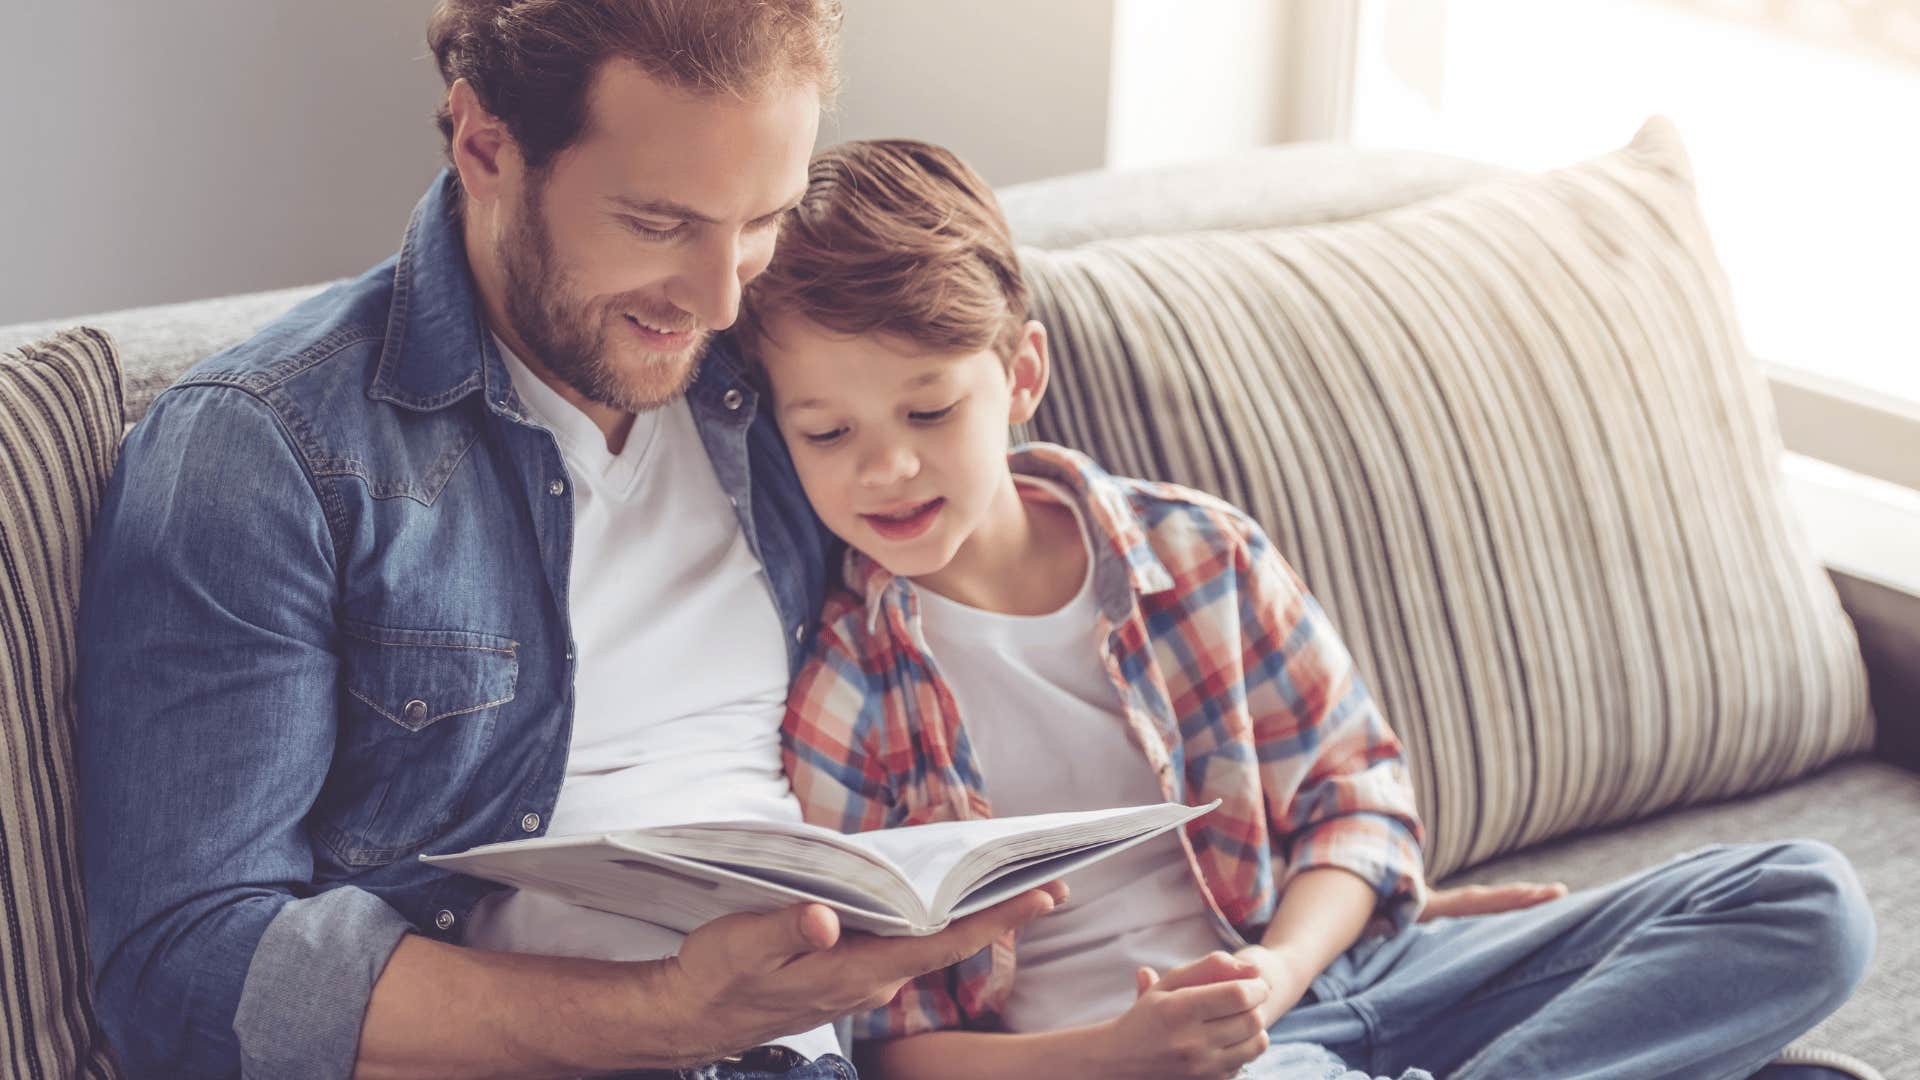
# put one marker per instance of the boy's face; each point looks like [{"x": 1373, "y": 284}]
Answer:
[{"x": 902, "y": 450}]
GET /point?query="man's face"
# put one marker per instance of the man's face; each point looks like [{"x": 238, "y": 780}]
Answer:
[
  {"x": 902, "y": 450},
  {"x": 622, "y": 257}
]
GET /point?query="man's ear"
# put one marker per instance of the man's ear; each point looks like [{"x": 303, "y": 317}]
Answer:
[
  {"x": 484, "y": 152},
  {"x": 1027, "y": 372}
]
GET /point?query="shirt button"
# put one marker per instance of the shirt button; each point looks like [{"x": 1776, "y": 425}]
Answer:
[
  {"x": 799, "y": 631},
  {"x": 557, "y": 487},
  {"x": 416, "y": 710},
  {"x": 732, "y": 399},
  {"x": 444, "y": 920},
  {"x": 530, "y": 823}
]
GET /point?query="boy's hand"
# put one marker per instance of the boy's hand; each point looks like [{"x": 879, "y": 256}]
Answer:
[
  {"x": 1489, "y": 899},
  {"x": 1200, "y": 1021},
  {"x": 1286, "y": 976}
]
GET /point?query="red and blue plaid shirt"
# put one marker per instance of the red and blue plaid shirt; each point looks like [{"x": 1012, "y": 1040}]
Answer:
[{"x": 1230, "y": 680}]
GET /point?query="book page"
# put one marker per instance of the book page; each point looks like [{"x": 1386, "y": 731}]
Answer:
[
  {"x": 960, "y": 853},
  {"x": 608, "y": 874}
]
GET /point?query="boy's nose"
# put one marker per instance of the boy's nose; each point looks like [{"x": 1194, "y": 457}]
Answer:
[{"x": 888, "y": 465}]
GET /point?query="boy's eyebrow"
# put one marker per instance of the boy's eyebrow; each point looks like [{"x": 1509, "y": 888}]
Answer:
[
  {"x": 914, "y": 383},
  {"x": 670, "y": 208}
]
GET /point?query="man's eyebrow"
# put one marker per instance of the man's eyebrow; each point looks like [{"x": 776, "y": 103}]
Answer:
[{"x": 669, "y": 208}]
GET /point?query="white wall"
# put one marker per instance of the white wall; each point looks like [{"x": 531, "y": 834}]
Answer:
[
  {"x": 1016, "y": 87},
  {"x": 152, "y": 152}
]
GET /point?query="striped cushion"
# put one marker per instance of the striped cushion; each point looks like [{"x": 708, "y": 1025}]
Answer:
[
  {"x": 60, "y": 413},
  {"x": 1512, "y": 440}
]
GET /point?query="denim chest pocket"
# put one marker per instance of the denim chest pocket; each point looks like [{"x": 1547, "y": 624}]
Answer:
[{"x": 418, "y": 710}]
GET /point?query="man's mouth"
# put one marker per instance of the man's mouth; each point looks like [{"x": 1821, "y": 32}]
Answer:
[
  {"x": 659, "y": 336},
  {"x": 906, "y": 522}
]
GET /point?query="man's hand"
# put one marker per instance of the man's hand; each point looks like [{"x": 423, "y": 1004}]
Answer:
[
  {"x": 745, "y": 979},
  {"x": 1200, "y": 1021},
  {"x": 1489, "y": 899}
]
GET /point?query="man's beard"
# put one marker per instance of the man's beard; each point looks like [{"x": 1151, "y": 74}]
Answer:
[{"x": 569, "y": 339}]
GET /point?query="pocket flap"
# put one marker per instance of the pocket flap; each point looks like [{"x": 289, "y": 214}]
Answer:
[{"x": 415, "y": 677}]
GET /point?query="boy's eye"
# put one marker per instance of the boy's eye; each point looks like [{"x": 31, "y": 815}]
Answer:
[
  {"x": 824, "y": 438},
  {"x": 932, "y": 416}
]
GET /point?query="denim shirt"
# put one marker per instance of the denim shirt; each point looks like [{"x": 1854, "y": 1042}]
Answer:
[{"x": 324, "y": 630}]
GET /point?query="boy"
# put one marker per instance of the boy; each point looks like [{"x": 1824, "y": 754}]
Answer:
[{"x": 1022, "y": 633}]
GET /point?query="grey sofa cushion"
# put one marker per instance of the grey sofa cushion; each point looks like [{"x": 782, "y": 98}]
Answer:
[
  {"x": 157, "y": 344},
  {"x": 1511, "y": 439},
  {"x": 60, "y": 421}
]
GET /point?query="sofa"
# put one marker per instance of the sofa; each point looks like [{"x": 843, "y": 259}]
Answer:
[{"x": 1502, "y": 425}]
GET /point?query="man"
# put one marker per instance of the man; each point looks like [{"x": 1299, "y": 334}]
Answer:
[
  {"x": 484, "y": 544},
  {"x": 469, "y": 549}
]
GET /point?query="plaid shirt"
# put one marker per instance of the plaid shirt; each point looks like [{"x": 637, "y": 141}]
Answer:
[{"x": 1231, "y": 682}]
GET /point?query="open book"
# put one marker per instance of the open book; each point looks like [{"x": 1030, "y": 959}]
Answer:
[{"x": 912, "y": 880}]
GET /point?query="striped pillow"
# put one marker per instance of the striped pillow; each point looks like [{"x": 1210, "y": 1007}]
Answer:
[
  {"x": 1512, "y": 440},
  {"x": 60, "y": 420}
]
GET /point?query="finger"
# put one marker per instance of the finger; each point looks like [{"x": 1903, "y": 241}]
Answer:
[
  {"x": 1198, "y": 1004},
  {"x": 1232, "y": 1029},
  {"x": 1143, "y": 980},
  {"x": 1489, "y": 899},
  {"x": 819, "y": 926},
  {"x": 762, "y": 943},
  {"x": 1214, "y": 967},
  {"x": 1242, "y": 1052}
]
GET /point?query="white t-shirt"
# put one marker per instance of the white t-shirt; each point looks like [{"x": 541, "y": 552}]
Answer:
[
  {"x": 1048, "y": 732},
  {"x": 681, "y": 676}
]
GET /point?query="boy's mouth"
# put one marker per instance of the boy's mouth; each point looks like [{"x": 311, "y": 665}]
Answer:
[{"x": 907, "y": 523}]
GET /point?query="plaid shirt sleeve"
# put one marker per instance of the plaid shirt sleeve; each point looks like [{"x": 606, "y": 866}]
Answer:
[
  {"x": 831, "y": 744},
  {"x": 1338, "y": 793}
]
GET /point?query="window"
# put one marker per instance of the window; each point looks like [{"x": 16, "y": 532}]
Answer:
[{"x": 1802, "y": 118}]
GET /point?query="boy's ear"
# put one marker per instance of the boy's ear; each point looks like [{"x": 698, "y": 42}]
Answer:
[{"x": 1027, "y": 372}]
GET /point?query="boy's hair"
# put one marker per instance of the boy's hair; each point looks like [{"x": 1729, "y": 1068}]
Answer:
[
  {"x": 531, "y": 62},
  {"x": 894, "y": 237}
]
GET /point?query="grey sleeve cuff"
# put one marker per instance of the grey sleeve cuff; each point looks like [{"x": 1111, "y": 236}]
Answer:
[{"x": 306, "y": 993}]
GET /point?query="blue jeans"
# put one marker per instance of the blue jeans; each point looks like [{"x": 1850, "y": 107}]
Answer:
[{"x": 1702, "y": 967}]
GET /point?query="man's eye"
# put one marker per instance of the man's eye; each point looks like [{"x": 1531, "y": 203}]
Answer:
[
  {"x": 642, "y": 229},
  {"x": 824, "y": 438},
  {"x": 932, "y": 416}
]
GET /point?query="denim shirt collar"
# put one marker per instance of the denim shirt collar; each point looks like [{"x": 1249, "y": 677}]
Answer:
[{"x": 437, "y": 348}]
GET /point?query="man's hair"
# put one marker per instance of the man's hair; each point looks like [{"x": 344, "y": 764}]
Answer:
[
  {"x": 531, "y": 62},
  {"x": 894, "y": 237}
]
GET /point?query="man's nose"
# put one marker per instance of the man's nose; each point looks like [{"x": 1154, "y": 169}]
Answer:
[{"x": 708, "y": 286}]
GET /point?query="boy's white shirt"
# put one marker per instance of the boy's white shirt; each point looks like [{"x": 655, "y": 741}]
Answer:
[
  {"x": 668, "y": 726},
  {"x": 1046, "y": 727}
]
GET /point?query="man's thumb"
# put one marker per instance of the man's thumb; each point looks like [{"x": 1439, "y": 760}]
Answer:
[{"x": 792, "y": 932}]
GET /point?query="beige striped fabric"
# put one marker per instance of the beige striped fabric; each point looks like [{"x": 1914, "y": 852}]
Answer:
[
  {"x": 1512, "y": 440},
  {"x": 60, "y": 421}
]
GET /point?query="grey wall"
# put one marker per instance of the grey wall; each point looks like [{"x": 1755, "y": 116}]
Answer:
[{"x": 152, "y": 152}]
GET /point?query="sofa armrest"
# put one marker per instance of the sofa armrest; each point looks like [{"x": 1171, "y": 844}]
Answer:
[{"x": 1887, "y": 620}]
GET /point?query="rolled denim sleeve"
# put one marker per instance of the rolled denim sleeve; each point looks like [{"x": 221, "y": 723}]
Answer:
[{"x": 207, "y": 697}]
